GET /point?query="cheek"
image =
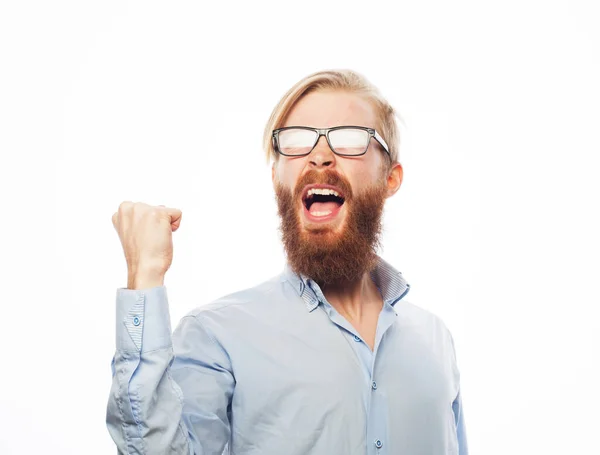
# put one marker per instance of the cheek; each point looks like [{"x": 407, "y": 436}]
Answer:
[
  {"x": 289, "y": 172},
  {"x": 361, "y": 180}
]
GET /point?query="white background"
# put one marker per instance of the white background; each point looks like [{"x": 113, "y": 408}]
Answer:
[{"x": 495, "y": 227}]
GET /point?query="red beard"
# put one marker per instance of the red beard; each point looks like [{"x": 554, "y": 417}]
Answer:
[{"x": 326, "y": 256}]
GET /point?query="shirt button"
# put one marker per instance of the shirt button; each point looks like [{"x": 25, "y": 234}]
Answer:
[
  {"x": 136, "y": 320},
  {"x": 356, "y": 338},
  {"x": 374, "y": 385},
  {"x": 378, "y": 443}
]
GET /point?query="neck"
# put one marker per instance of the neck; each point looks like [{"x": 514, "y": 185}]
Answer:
[{"x": 354, "y": 299}]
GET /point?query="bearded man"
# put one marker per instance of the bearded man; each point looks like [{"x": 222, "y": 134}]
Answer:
[{"x": 325, "y": 358}]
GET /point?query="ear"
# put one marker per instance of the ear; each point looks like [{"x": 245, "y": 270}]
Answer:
[
  {"x": 273, "y": 173},
  {"x": 394, "y": 179}
]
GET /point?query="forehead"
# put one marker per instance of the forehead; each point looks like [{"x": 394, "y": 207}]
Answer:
[{"x": 323, "y": 109}]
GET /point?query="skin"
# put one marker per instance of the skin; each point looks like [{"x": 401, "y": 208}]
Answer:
[{"x": 359, "y": 302}]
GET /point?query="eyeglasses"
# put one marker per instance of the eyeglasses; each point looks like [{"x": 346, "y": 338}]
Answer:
[{"x": 343, "y": 140}]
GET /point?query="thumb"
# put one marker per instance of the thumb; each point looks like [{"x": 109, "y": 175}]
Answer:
[{"x": 175, "y": 215}]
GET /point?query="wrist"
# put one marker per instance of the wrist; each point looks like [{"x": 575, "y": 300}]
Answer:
[{"x": 145, "y": 279}]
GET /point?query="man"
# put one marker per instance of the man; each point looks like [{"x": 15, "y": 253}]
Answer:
[{"x": 325, "y": 358}]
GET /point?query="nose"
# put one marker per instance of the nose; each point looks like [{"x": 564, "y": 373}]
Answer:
[{"x": 322, "y": 155}]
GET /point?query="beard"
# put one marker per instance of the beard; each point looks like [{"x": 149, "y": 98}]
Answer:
[{"x": 321, "y": 253}]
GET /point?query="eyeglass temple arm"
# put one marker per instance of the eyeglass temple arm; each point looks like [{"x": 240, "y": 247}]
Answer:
[{"x": 381, "y": 141}]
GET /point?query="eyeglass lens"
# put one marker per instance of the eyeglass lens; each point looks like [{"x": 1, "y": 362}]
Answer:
[{"x": 346, "y": 141}]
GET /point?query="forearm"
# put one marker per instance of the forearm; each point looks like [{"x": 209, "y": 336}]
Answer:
[
  {"x": 143, "y": 399},
  {"x": 145, "y": 407}
]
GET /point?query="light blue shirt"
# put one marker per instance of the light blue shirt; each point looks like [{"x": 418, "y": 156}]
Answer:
[{"x": 275, "y": 369}]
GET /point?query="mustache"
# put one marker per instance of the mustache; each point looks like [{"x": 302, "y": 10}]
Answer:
[{"x": 327, "y": 177}]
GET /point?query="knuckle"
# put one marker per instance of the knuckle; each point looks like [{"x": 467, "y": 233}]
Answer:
[
  {"x": 155, "y": 213},
  {"x": 139, "y": 208},
  {"x": 125, "y": 206}
]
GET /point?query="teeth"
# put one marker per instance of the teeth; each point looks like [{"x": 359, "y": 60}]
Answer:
[
  {"x": 324, "y": 191},
  {"x": 320, "y": 213}
]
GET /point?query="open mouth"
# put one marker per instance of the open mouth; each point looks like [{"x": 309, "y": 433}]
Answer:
[{"x": 322, "y": 201}]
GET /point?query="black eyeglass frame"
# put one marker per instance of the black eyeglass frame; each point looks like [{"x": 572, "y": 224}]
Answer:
[{"x": 325, "y": 132}]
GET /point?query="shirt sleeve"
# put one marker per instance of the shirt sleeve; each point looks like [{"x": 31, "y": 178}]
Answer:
[
  {"x": 457, "y": 408},
  {"x": 170, "y": 392},
  {"x": 461, "y": 433}
]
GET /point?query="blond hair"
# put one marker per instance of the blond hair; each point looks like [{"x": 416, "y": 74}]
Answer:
[{"x": 344, "y": 80}]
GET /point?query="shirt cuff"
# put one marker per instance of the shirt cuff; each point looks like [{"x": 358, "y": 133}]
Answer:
[{"x": 143, "y": 322}]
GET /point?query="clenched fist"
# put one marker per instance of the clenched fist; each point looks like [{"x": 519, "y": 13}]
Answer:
[{"x": 145, "y": 232}]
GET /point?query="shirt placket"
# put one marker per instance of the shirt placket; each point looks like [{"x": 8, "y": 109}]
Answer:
[{"x": 377, "y": 428}]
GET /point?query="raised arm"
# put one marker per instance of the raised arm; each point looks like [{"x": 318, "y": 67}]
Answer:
[{"x": 170, "y": 393}]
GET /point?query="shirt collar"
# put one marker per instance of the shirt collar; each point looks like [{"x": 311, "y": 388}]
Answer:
[{"x": 388, "y": 280}]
